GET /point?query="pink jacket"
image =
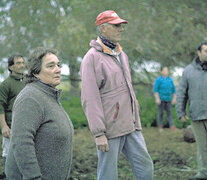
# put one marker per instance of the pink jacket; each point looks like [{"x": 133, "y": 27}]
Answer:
[{"x": 107, "y": 95}]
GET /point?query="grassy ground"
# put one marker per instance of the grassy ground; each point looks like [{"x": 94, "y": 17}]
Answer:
[{"x": 173, "y": 158}]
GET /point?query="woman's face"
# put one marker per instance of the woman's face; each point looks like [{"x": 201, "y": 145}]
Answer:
[
  {"x": 50, "y": 70},
  {"x": 165, "y": 72}
]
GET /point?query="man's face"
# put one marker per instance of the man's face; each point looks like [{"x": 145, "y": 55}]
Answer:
[
  {"x": 18, "y": 66},
  {"x": 203, "y": 53},
  {"x": 50, "y": 70},
  {"x": 112, "y": 32}
]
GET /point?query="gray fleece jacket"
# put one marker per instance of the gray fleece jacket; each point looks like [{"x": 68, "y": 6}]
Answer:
[
  {"x": 41, "y": 136},
  {"x": 192, "y": 88}
]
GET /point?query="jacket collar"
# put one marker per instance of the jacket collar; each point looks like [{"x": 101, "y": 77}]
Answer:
[
  {"x": 55, "y": 93},
  {"x": 196, "y": 63},
  {"x": 19, "y": 78},
  {"x": 107, "y": 49},
  {"x": 99, "y": 46}
]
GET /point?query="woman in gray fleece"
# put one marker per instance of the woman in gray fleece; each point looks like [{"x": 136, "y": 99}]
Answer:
[{"x": 41, "y": 133}]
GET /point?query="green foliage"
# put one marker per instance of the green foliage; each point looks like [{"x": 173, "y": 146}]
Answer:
[
  {"x": 148, "y": 110},
  {"x": 163, "y": 31},
  {"x": 72, "y": 106}
]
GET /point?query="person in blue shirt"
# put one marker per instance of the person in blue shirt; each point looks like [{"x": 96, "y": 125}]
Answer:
[{"x": 164, "y": 92}]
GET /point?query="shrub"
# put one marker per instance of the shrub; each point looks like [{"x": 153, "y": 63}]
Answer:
[
  {"x": 72, "y": 106},
  {"x": 148, "y": 111}
]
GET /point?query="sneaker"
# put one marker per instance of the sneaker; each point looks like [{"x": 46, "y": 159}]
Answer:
[
  {"x": 172, "y": 128},
  {"x": 2, "y": 175}
]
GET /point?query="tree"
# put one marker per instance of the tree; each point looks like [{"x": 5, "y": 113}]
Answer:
[
  {"x": 165, "y": 32},
  {"x": 32, "y": 23}
]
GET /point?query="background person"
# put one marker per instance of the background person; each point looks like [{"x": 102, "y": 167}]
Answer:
[
  {"x": 42, "y": 133},
  {"x": 192, "y": 88},
  {"x": 9, "y": 89},
  {"x": 110, "y": 104},
  {"x": 164, "y": 92}
]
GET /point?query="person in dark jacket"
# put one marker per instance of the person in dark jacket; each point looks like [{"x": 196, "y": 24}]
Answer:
[
  {"x": 41, "y": 132},
  {"x": 192, "y": 88},
  {"x": 9, "y": 89}
]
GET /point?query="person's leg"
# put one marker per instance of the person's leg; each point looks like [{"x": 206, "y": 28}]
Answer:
[
  {"x": 5, "y": 146},
  {"x": 5, "y": 150},
  {"x": 160, "y": 114},
  {"x": 169, "y": 115},
  {"x": 136, "y": 152},
  {"x": 3, "y": 175},
  {"x": 107, "y": 161},
  {"x": 200, "y": 131}
]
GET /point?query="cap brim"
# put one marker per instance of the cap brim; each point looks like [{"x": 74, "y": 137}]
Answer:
[{"x": 117, "y": 21}]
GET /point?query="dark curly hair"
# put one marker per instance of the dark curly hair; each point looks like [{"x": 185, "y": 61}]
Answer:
[
  {"x": 35, "y": 62},
  {"x": 199, "y": 48},
  {"x": 11, "y": 59},
  {"x": 162, "y": 67}
]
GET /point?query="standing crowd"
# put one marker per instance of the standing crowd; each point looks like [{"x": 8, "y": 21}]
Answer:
[{"x": 38, "y": 133}]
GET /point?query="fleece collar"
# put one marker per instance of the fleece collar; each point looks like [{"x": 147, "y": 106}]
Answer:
[{"x": 108, "y": 50}]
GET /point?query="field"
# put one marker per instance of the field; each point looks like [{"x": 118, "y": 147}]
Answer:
[{"x": 173, "y": 158}]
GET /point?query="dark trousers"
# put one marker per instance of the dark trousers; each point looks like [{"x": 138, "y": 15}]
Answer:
[
  {"x": 200, "y": 131},
  {"x": 167, "y": 107}
]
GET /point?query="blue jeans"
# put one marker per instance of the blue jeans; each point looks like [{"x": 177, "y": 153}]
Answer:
[
  {"x": 167, "y": 107},
  {"x": 134, "y": 148}
]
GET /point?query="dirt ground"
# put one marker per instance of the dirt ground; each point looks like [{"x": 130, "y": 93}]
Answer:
[{"x": 173, "y": 158}]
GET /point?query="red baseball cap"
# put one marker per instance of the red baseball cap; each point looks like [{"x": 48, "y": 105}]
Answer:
[{"x": 109, "y": 17}]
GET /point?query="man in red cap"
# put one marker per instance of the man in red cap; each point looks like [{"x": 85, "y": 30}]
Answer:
[{"x": 110, "y": 104}]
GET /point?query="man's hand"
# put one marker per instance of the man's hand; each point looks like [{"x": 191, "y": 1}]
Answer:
[
  {"x": 102, "y": 143},
  {"x": 5, "y": 131},
  {"x": 184, "y": 118}
]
